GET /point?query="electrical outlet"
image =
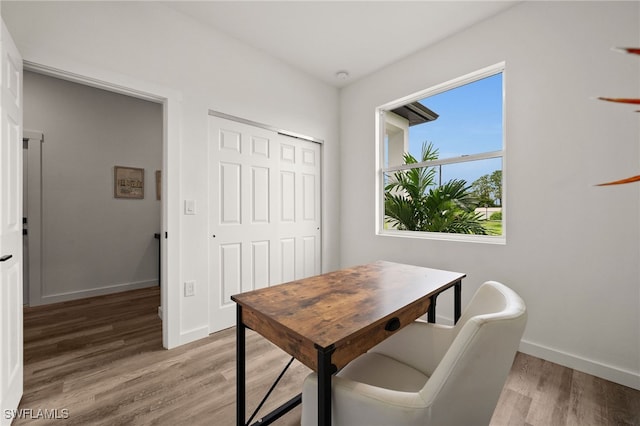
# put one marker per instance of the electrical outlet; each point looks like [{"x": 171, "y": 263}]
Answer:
[{"x": 189, "y": 288}]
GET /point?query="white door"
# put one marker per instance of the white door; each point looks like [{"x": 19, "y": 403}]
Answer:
[
  {"x": 10, "y": 227},
  {"x": 264, "y": 212}
]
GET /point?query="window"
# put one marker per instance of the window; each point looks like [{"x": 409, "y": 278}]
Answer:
[{"x": 441, "y": 156}]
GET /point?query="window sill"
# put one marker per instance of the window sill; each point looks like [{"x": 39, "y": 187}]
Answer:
[{"x": 443, "y": 236}]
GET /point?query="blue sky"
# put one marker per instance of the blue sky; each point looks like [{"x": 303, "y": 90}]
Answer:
[{"x": 469, "y": 122}]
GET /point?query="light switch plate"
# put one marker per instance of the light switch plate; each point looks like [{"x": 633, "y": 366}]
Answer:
[
  {"x": 189, "y": 206},
  {"x": 189, "y": 288}
]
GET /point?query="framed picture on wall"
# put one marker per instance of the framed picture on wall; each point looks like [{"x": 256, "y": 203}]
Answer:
[{"x": 128, "y": 182}]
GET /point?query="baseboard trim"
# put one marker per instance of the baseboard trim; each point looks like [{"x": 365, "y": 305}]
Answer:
[
  {"x": 608, "y": 372},
  {"x": 100, "y": 291},
  {"x": 193, "y": 335},
  {"x": 614, "y": 374}
]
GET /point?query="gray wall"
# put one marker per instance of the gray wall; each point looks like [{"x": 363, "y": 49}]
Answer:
[{"x": 94, "y": 243}]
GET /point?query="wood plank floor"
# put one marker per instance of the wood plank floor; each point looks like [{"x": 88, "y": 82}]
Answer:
[{"x": 102, "y": 360}]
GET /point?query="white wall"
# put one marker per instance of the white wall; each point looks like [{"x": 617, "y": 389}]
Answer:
[
  {"x": 578, "y": 270},
  {"x": 94, "y": 243},
  {"x": 146, "y": 45},
  {"x": 578, "y": 267}
]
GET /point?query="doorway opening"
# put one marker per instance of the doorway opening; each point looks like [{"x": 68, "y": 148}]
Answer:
[
  {"x": 99, "y": 201},
  {"x": 169, "y": 182}
]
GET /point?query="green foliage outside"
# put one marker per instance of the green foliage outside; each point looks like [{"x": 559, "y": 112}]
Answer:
[
  {"x": 415, "y": 202},
  {"x": 493, "y": 227},
  {"x": 487, "y": 189}
]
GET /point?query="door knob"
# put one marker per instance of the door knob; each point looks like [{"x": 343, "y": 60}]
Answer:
[{"x": 6, "y": 257}]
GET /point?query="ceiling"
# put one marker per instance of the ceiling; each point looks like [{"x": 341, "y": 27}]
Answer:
[{"x": 322, "y": 38}]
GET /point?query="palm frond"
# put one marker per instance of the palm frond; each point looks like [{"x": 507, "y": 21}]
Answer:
[{"x": 414, "y": 202}]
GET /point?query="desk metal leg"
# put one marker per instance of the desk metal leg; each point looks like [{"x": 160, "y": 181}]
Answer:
[
  {"x": 240, "y": 368},
  {"x": 280, "y": 411},
  {"x": 431, "y": 313},
  {"x": 457, "y": 304},
  {"x": 325, "y": 370},
  {"x": 457, "y": 301}
]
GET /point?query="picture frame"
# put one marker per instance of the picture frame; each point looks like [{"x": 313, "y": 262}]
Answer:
[{"x": 128, "y": 182}]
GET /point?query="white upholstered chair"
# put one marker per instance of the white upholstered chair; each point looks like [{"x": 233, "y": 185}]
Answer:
[{"x": 430, "y": 374}]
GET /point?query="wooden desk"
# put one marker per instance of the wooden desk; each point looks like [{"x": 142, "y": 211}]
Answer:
[{"x": 328, "y": 320}]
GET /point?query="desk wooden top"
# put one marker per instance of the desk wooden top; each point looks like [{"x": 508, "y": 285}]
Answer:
[{"x": 344, "y": 310}]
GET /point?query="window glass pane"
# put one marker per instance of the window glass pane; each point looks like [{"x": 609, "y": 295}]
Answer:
[
  {"x": 484, "y": 176},
  {"x": 454, "y": 130},
  {"x": 469, "y": 120},
  {"x": 455, "y": 198},
  {"x": 484, "y": 179}
]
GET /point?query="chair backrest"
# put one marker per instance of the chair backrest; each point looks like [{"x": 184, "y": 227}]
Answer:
[{"x": 465, "y": 386}]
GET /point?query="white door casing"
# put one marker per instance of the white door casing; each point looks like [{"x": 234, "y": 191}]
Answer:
[
  {"x": 11, "y": 355},
  {"x": 32, "y": 205},
  {"x": 264, "y": 212}
]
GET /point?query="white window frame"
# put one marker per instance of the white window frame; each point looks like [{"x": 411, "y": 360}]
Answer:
[{"x": 380, "y": 119}]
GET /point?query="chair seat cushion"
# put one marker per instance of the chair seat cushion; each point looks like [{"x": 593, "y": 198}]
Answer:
[{"x": 381, "y": 371}]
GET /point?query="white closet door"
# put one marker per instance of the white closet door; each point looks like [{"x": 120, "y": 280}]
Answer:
[{"x": 264, "y": 212}]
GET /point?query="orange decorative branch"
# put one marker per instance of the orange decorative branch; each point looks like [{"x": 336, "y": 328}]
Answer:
[
  {"x": 632, "y": 50},
  {"x": 621, "y": 181},
  {"x": 634, "y": 101}
]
